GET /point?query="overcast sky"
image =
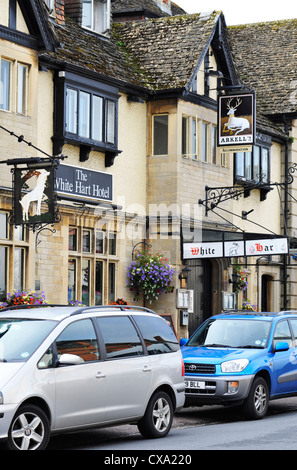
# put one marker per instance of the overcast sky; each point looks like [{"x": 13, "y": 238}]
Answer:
[{"x": 237, "y": 12}]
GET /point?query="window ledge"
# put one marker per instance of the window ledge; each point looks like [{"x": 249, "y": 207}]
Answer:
[
  {"x": 249, "y": 185},
  {"x": 85, "y": 148}
]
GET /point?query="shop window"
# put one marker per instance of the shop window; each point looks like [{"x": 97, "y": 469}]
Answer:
[
  {"x": 72, "y": 282},
  {"x": 95, "y": 15},
  {"x": 87, "y": 241},
  {"x": 13, "y": 253},
  {"x": 111, "y": 282},
  {"x": 160, "y": 134},
  {"x": 92, "y": 266},
  {"x": 253, "y": 166},
  {"x": 100, "y": 241}
]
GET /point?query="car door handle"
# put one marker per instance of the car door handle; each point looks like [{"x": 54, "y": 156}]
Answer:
[
  {"x": 147, "y": 369},
  {"x": 100, "y": 375}
]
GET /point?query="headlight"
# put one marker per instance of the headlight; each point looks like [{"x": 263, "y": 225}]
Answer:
[
  {"x": 234, "y": 366},
  {"x": 1, "y": 398}
]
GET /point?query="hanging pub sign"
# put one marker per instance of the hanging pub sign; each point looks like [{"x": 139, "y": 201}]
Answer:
[
  {"x": 236, "y": 122},
  {"x": 34, "y": 196}
]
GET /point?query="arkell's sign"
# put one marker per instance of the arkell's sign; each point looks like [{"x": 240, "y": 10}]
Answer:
[
  {"x": 83, "y": 184},
  {"x": 236, "y": 121},
  {"x": 270, "y": 246}
]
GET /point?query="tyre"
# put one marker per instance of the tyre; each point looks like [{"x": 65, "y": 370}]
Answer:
[
  {"x": 256, "y": 404},
  {"x": 29, "y": 430},
  {"x": 158, "y": 417}
]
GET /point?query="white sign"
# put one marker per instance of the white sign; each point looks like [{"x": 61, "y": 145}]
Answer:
[
  {"x": 203, "y": 250},
  {"x": 233, "y": 249},
  {"x": 276, "y": 246}
]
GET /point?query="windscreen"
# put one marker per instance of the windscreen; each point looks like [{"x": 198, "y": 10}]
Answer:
[
  {"x": 234, "y": 333},
  {"x": 19, "y": 338}
]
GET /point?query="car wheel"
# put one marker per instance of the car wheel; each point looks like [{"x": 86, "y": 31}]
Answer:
[
  {"x": 158, "y": 417},
  {"x": 29, "y": 430},
  {"x": 256, "y": 405}
]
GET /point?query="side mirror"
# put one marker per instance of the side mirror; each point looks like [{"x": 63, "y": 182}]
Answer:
[
  {"x": 70, "y": 360},
  {"x": 281, "y": 346},
  {"x": 183, "y": 341}
]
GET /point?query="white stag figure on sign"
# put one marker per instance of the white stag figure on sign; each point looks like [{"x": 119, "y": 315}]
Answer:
[
  {"x": 36, "y": 194},
  {"x": 235, "y": 123}
]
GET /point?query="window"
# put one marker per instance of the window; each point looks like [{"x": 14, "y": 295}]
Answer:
[
  {"x": 213, "y": 145},
  {"x": 79, "y": 338},
  {"x": 120, "y": 337},
  {"x": 92, "y": 265},
  {"x": 14, "y": 81},
  {"x": 5, "y": 84},
  {"x": 204, "y": 142},
  {"x": 23, "y": 71},
  {"x": 90, "y": 116},
  {"x": 13, "y": 253},
  {"x": 253, "y": 166},
  {"x": 160, "y": 134},
  {"x": 294, "y": 327},
  {"x": 190, "y": 137},
  {"x": 157, "y": 335},
  {"x": 95, "y": 15},
  {"x": 282, "y": 333}
]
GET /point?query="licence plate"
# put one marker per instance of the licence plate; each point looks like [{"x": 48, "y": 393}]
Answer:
[{"x": 194, "y": 384}]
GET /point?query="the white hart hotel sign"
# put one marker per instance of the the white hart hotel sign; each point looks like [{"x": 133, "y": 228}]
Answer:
[{"x": 272, "y": 246}]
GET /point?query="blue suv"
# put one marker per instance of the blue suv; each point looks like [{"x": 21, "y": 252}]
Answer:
[{"x": 242, "y": 358}]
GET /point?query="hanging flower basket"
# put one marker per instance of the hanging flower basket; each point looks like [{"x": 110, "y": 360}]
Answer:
[
  {"x": 149, "y": 275},
  {"x": 240, "y": 278},
  {"x": 27, "y": 297}
]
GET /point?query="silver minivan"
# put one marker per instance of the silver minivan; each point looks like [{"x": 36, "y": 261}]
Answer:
[{"x": 72, "y": 368}]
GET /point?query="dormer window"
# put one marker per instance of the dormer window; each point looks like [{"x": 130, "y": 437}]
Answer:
[{"x": 96, "y": 15}]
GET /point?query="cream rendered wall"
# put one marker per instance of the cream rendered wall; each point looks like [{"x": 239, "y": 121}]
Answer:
[{"x": 4, "y": 10}]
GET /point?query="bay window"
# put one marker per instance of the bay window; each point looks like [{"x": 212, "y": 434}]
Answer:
[
  {"x": 86, "y": 116},
  {"x": 253, "y": 166}
]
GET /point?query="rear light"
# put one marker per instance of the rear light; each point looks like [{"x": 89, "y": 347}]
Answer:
[{"x": 183, "y": 368}]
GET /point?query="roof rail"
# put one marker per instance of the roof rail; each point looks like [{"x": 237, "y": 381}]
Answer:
[
  {"x": 79, "y": 309},
  {"x": 282, "y": 312},
  {"x": 248, "y": 312},
  {"x": 116, "y": 307}
]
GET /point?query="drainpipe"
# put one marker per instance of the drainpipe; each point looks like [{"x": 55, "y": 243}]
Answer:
[{"x": 285, "y": 261}]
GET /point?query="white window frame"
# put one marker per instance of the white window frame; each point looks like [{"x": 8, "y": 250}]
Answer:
[
  {"x": 22, "y": 88},
  {"x": 98, "y": 17},
  {"x": 5, "y": 87}
]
